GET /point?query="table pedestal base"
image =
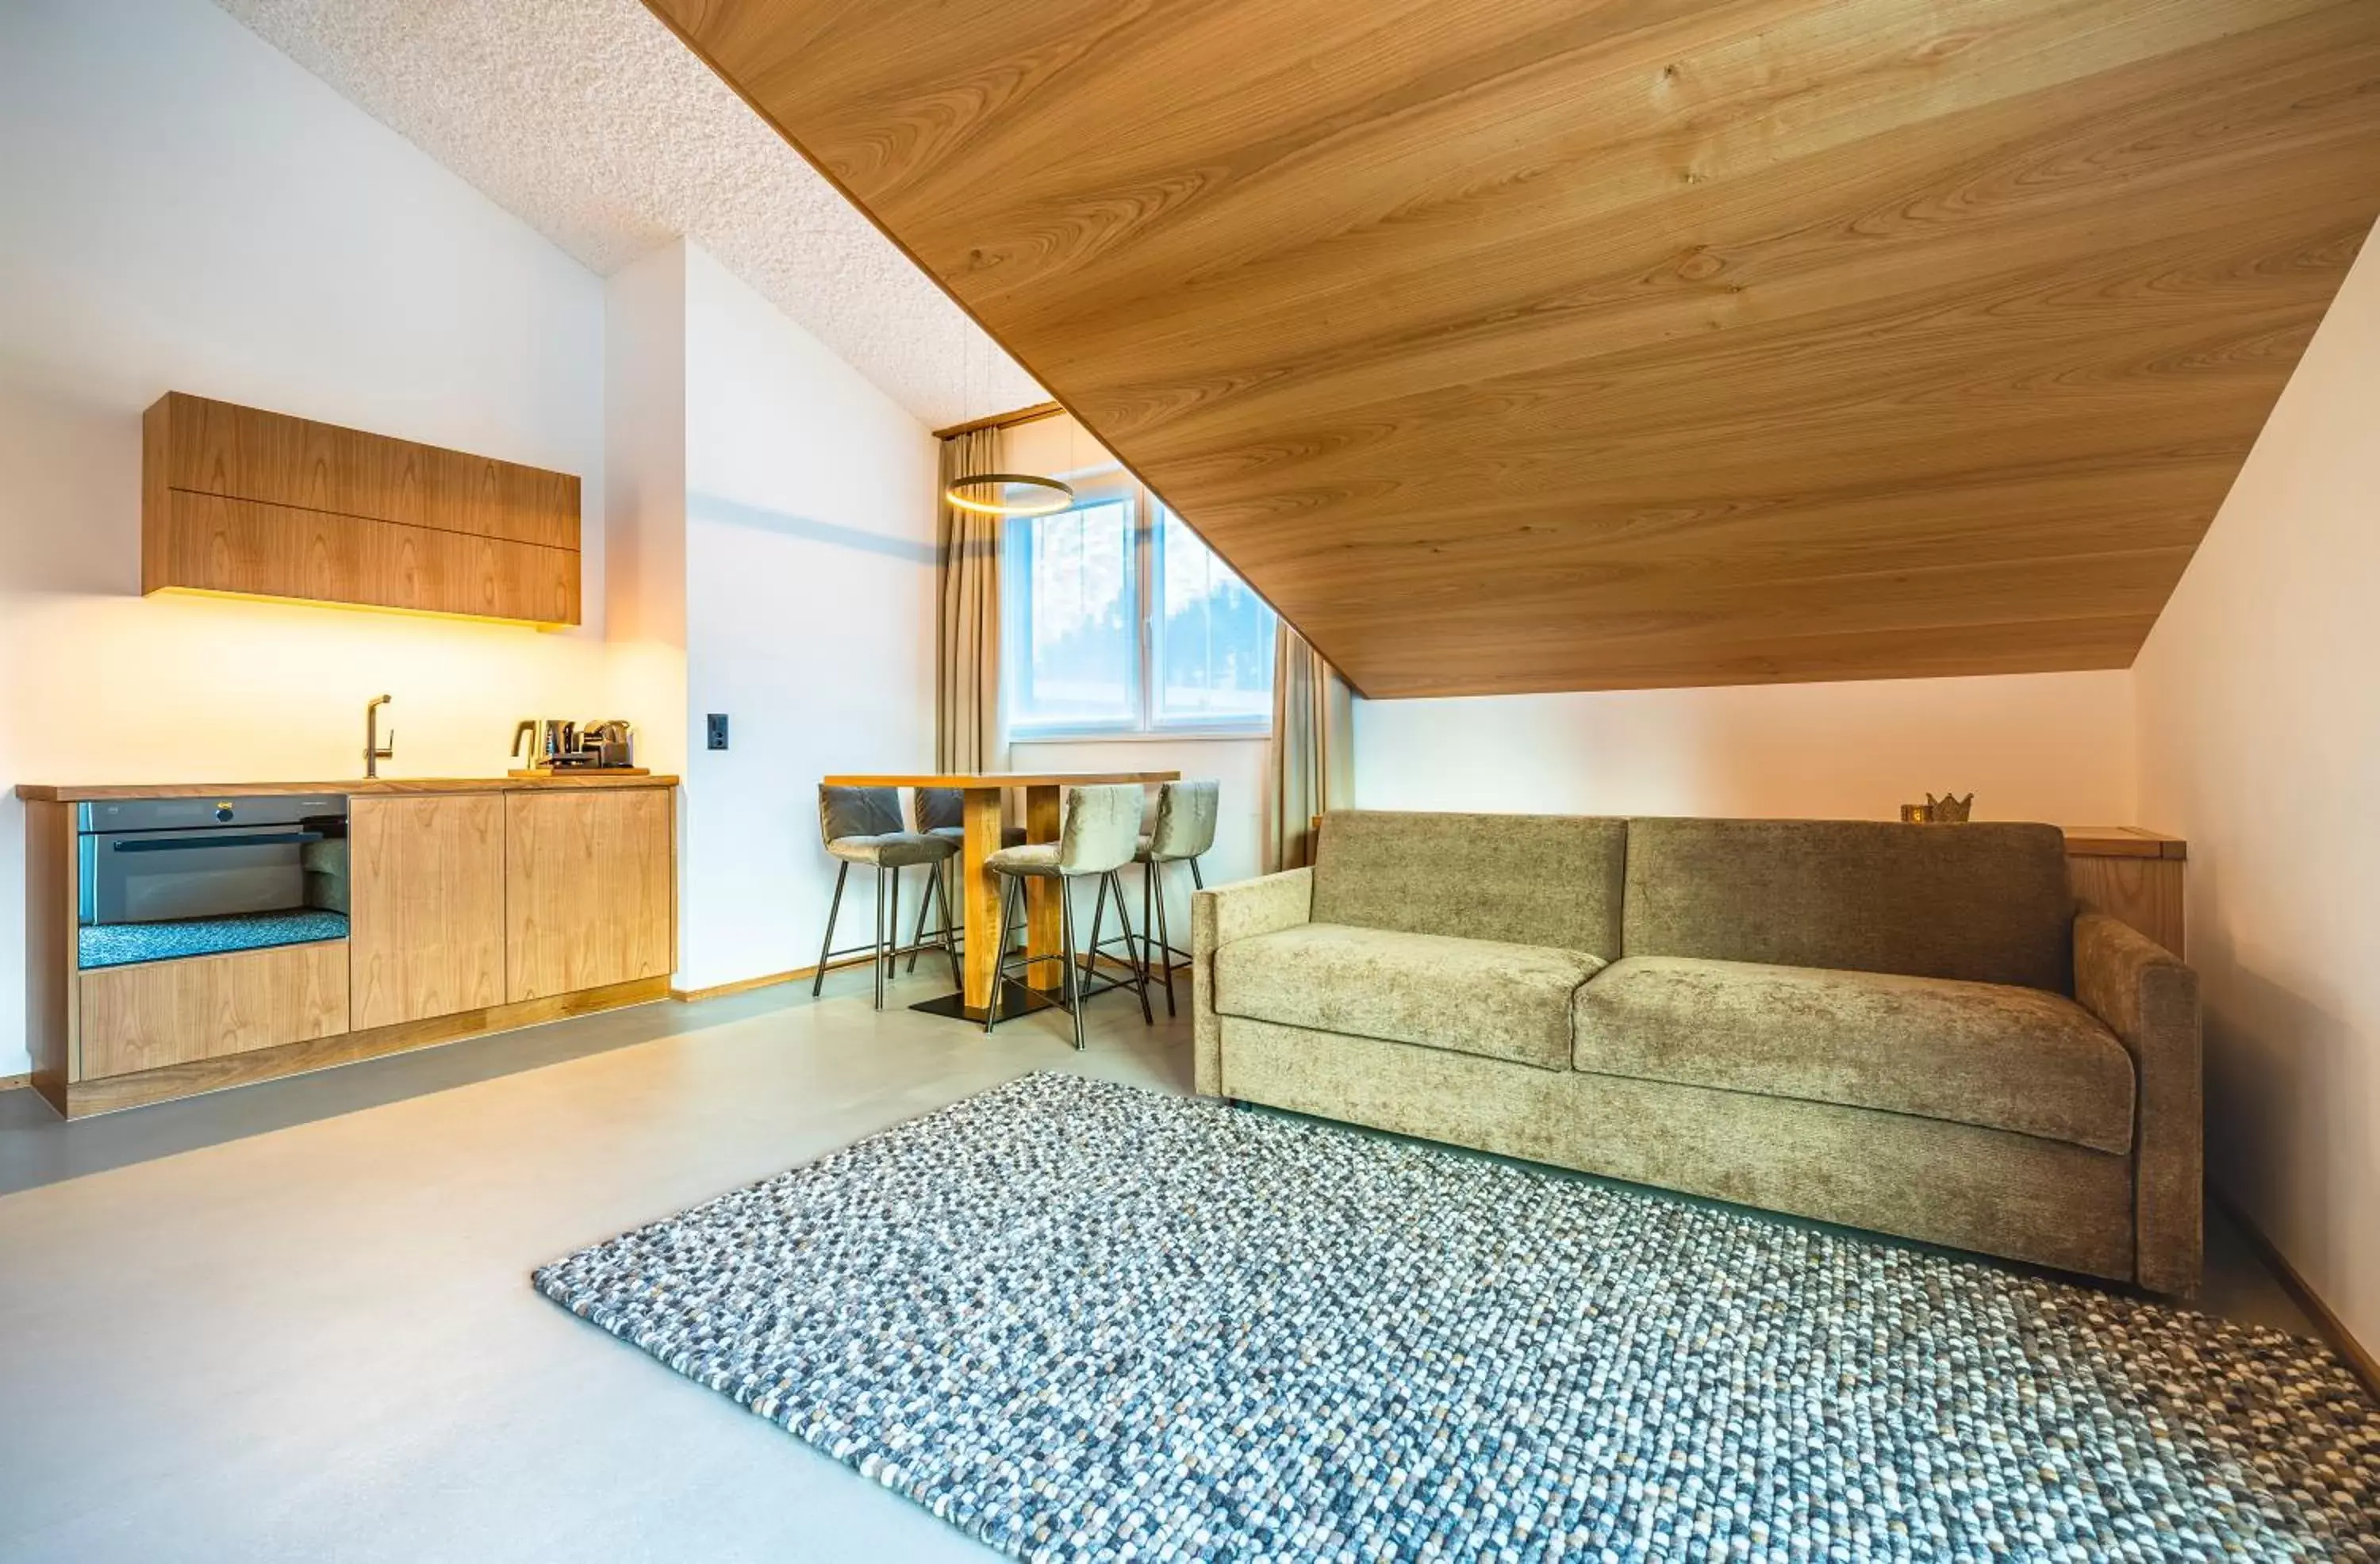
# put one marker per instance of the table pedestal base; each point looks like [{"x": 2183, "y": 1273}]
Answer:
[{"x": 1015, "y": 1000}]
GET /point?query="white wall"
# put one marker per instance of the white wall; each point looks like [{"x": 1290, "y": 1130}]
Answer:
[
  {"x": 644, "y": 486},
  {"x": 809, "y": 621},
  {"x": 2260, "y": 742},
  {"x": 2042, "y": 746},
  {"x": 181, "y": 206}
]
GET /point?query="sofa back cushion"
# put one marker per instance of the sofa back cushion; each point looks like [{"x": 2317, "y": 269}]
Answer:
[
  {"x": 1986, "y": 902},
  {"x": 1524, "y": 879}
]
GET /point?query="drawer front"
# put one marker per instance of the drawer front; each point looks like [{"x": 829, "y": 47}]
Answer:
[
  {"x": 215, "y": 544},
  {"x": 249, "y": 454},
  {"x": 203, "y": 1007}
]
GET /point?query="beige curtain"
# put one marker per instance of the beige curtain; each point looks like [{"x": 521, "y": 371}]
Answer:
[
  {"x": 1313, "y": 749},
  {"x": 966, "y": 662}
]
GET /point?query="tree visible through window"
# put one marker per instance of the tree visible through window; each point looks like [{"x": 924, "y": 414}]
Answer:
[{"x": 1120, "y": 619}]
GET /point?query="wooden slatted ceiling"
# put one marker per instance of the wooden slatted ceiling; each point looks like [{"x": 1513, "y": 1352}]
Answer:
[{"x": 1535, "y": 345}]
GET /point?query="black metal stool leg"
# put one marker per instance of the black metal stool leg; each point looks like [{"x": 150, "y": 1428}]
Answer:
[
  {"x": 1197, "y": 881},
  {"x": 878, "y": 953},
  {"x": 949, "y": 871},
  {"x": 1098, "y": 916},
  {"x": 842, "y": 872},
  {"x": 999, "y": 963},
  {"x": 1137, "y": 961},
  {"x": 1148, "y": 877},
  {"x": 925, "y": 905},
  {"x": 1074, "y": 973},
  {"x": 1164, "y": 938}
]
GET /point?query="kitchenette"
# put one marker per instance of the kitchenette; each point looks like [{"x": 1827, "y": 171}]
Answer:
[
  {"x": 182, "y": 937},
  {"x": 185, "y": 938}
]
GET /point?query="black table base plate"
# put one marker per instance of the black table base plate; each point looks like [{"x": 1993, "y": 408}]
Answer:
[{"x": 1015, "y": 999}]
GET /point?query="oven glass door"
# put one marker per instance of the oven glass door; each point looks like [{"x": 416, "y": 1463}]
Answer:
[{"x": 155, "y": 876}]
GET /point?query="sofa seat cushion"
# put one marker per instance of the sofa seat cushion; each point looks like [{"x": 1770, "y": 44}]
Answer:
[
  {"x": 2004, "y": 1057},
  {"x": 1472, "y": 996}
]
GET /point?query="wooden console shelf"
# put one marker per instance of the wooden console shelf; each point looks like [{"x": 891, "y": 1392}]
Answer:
[
  {"x": 2133, "y": 876},
  {"x": 475, "y": 906},
  {"x": 242, "y": 500}
]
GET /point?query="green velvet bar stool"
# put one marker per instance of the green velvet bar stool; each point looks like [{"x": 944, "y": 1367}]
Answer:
[
  {"x": 1102, "y": 828},
  {"x": 942, "y": 812},
  {"x": 862, "y": 825},
  {"x": 1184, "y": 833}
]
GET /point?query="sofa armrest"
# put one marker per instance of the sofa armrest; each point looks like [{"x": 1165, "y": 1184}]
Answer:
[
  {"x": 2149, "y": 999},
  {"x": 1216, "y": 918}
]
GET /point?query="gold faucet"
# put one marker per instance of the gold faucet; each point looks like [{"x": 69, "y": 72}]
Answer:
[{"x": 375, "y": 749}]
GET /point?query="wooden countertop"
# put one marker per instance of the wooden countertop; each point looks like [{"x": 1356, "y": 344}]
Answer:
[{"x": 51, "y": 793}]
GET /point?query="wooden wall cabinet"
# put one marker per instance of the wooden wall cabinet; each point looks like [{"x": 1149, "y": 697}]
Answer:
[
  {"x": 238, "y": 500},
  {"x": 588, "y": 890},
  {"x": 426, "y": 917}
]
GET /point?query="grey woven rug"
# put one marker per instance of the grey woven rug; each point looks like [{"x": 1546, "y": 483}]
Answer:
[{"x": 1081, "y": 1320}]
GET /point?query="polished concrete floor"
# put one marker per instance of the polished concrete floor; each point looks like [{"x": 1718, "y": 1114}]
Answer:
[{"x": 294, "y": 1322}]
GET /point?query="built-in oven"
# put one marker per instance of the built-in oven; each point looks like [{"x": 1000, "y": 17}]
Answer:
[{"x": 166, "y": 876}]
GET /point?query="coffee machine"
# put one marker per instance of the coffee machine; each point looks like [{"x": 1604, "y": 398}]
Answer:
[{"x": 610, "y": 742}]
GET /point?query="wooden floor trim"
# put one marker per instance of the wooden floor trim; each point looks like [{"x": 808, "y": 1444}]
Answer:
[
  {"x": 741, "y": 986},
  {"x": 113, "y": 1093},
  {"x": 2357, "y": 1357},
  {"x": 766, "y": 980},
  {"x": 10, "y": 1083}
]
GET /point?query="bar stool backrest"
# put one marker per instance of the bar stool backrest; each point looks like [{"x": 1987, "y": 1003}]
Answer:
[
  {"x": 858, "y": 811},
  {"x": 1185, "y": 819},
  {"x": 940, "y": 808},
  {"x": 1102, "y": 827}
]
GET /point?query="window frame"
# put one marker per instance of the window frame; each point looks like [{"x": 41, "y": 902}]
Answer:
[{"x": 1147, "y": 517}]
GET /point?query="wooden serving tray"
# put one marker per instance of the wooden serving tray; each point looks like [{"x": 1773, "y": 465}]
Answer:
[{"x": 545, "y": 772}]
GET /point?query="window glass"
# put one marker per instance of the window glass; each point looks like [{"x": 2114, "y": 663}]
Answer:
[
  {"x": 1120, "y": 619},
  {"x": 1073, "y": 620},
  {"x": 1213, "y": 638}
]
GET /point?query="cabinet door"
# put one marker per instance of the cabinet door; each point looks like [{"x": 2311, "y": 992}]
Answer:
[
  {"x": 588, "y": 888},
  {"x": 426, "y": 910}
]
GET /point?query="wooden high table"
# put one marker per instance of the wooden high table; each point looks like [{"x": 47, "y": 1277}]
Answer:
[{"x": 978, "y": 888}]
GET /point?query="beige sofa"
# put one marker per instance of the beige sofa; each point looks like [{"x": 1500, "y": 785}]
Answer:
[{"x": 1907, "y": 1028}]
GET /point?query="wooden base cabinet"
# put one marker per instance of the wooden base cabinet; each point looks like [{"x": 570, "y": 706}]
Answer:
[
  {"x": 474, "y": 907},
  {"x": 588, "y": 890},
  {"x": 427, "y": 909}
]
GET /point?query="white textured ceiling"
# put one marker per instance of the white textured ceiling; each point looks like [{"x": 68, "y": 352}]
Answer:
[{"x": 592, "y": 123}]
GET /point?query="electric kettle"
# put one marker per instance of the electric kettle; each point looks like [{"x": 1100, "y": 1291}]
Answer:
[{"x": 543, "y": 743}]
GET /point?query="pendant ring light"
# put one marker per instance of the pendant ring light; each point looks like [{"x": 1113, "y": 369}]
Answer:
[
  {"x": 1005, "y": 494},
  {"x": 1009, "y": 493}
]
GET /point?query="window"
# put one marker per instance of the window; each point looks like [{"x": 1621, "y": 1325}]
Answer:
[
  {"x": 1212, "y": 661},
  {"x": 1120, "y": 620},
  {"x": 1075, "y": 618}
]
